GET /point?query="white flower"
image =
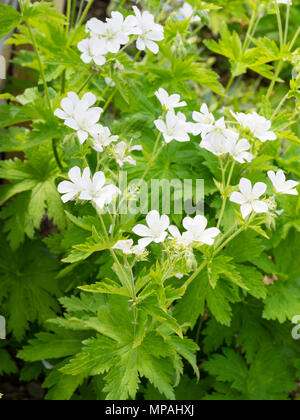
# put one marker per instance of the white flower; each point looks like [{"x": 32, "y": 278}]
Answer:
[
  {"x": 93, "y": 50},
  {"x": 219, "y": 140},
  {"x": 179, "y": 276},
  {"x": 71, "y": 102},
  {"x": 281, "y": 185},
  {"x": 167, "y": 101},
  {"x": 181, "y": 240},
  {"x": 102, "y": 137},
  {"x": 288, "y": 2},
  {"x": 71, "y": 190},
  {"x": 205, "y": 121},
  {"x": 150, "y": 32},
  {"x": 175, "y": 127},
  {"x": 122, "y": 151},
  {"x": 78, "y": 115},
  {"x": 126, "y": 246},
  {"x": 156, "y": 230},
  {"x": 114, "y": 32},
  {"x": 239, "y": 151},
  {"x": 196, "y": 229},
  {"x": 95, "y": 190},
  {"x": 187, "y": 12},
  {"x": 84, "y": 122},
  {"x": 258, "y": 125},
  {"x": 248, "y": 197}
]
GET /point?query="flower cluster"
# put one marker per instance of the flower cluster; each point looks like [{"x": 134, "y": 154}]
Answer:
[
  {"x": 217, "y": 137},
  {"x": 110, "y": 36},
  {"x": 175, "y": 127},
  {"x": 222, "y": 140},
  {"x": 83, "y": 187},
  {"x": 78, "y": 114}
]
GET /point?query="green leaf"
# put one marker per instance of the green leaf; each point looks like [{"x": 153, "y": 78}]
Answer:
[
  {"x": 37, "y": 176},
  {"x": 53, "y": 345},
  {"x": 7, "y": 365},
  {"x": 62, "y": 387},
  {"x": 95, "y": 358},
  {"x": 106, "y": 286},
  {"x": 283, "y": 300},
  {"x": 27, "y": 283},
  {"x": 229, "y": 367},
  {"x": 221, "y": 266}
]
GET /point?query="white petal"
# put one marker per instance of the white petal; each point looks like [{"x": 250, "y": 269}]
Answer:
[
  {"x": 238, "y": 198},
  {"x": 153, "y": 219},
  {"x": 259, "y": 189},
  {"x": 152, "y": 46},
  {"x": 143, "y": 243},
  {"x": 75, "y": 174},
  {"x": 245, "y": 187},
  {"x": 174, "y": 231},
  {"x": 82, "y": 135},
  {"x": 60, "y": 114},
  {"x": 65, "y": 187},
  {"x": 142, "y": 230}
]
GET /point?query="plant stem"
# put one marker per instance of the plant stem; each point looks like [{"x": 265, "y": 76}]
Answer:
[
  {"x": 121, "y": 5},
  {"x": 250, "y": 27},
  {"x": 73, "y": 13},
  {"x": 107, "y": 103},
  {"x": 55, "y": 153},
  {"x": 280, "y": 106},
  {"x": 287, "y": 20},
  {"x": 294, "y": 39},
  {"x": 153, "y": 157},
  {"x": 200, "y": 324},
  {"x": 279, "y": 21},
  {"x": 113, "y": 254},
  {"x": 116, "y": 89},
  {"x": 36, "y": 50},
  {"x": 68, "y": 13},
  {"x": 224, "y": 244},
  {"x": 217, "y": 251},
  {"x": 250, "y": 33},
  {"x": 79, "y": 12},
  {"x": 225, "y": 198},
  {"x": 86, "y": 10},
  {"x": 163, "y": 10},
  {"x": 229, "y": 84},
  {"x": 193, "y": 276},
  {"x": 274, "y": 80}
]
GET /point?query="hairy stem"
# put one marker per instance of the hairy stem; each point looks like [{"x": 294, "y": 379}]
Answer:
[
  {"x": 225, "y": 198},
  {"x": 287, "y": 21}
]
